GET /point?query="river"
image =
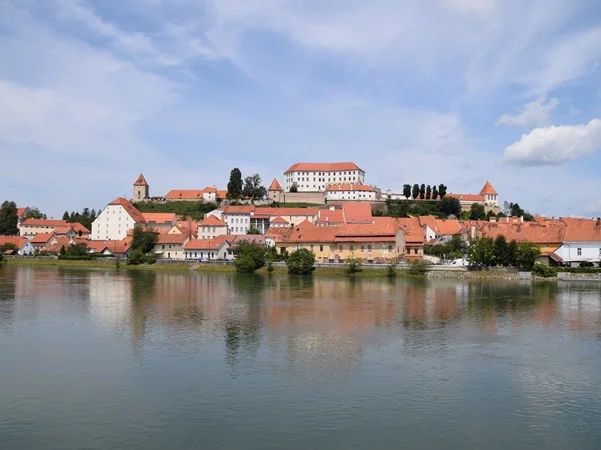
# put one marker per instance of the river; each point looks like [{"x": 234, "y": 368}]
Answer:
[{"x": 99, "y": 359}]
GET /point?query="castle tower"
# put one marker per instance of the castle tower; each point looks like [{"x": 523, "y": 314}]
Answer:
[
  {"x": 275, "y": 191},
  {"x": 141, "y": 189},
  {"x": 490, "y": 195}
]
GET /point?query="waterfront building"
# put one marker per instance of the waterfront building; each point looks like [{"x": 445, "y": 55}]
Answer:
[
  {"x": 115, "y": 220},
  {"x": 582, "y": 241}
]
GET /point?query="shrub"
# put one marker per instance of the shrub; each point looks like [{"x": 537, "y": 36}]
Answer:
[
  {"x": 269, "y": 266},
  {"x": 136, "y": 257},
  {"x": 150, "y": 258},
  {"x": 301, "y": 262},
  {"x": 391, "y": 270},
  {"x": 540, "y": 270},
  {"x": 418, "y": 267},
  {"x": 580, "y": 269},
  {"x": 353, "y": 266},
  {"x": 250, "y": 257}
]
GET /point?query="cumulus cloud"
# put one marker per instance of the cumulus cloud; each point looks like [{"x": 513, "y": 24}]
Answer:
[
  {"x": 555, "y": 145},
  {"x": 533, "y": 114}
]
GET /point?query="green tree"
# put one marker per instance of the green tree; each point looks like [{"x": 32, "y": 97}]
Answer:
[
  {"x": 512, "y": 251},
  {"x": 422, "y": 191},
  {"x": 234, "y": 186},
  {"x": 253, "y": 188},
  {"x": 301, "y": 262},
  {"x": 428, "y": 192},
  {"x": 353, "y": 266},
  {"x": 76, "y": 250},
  {"x": 407, "y": 191},
  {"x": 144, "y": 240},
  {"x": 34, "y": 213},
  {"x": 415, "y": 191},
  {"x": 477, "y": 212},
  {"x": 526, "y": 255},
  {"x": 434, "y": 193},
  {"x": 8, "y": 219},
  {"x": 66, "y": 216},
  {"x": 418, "y": 267},
  {"x": 250, "y": 257},
  {"x": 391, "y": 270},
  {"x": 502, "y": 257},
  {"x": 63, "y": 251},
  {"x": 8, "y": 246},
  {"x": 450, "y": 206},
  {"x": 482, "y": 251},
  {"x": 253, "y": 230},
  {"x": 442, "y": 190}
]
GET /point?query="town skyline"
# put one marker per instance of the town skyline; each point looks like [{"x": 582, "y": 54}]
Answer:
[{"x": 186, "y": 92}]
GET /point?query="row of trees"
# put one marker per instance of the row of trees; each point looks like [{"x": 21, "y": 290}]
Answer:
[
  {"x": 85, "y": 217},
  {"x": 424, "y": 192},
  {"x": 448, "y": 206},
  {"x": 251, "y": 257},
  {"x": 498, "y": 252},
  {"x": 251, "y": 188}
]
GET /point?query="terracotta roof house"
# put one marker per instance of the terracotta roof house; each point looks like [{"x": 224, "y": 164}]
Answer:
[
  {"x": 488, "y": 197},
  {"x": 211, "y": 227},
  {"x": 158, "y": 221},
  {"x": 218, "y": 248},
  {"x": 439, "y": 230},
  {"x": 113, "y": 223},
  {"x": 208, "y": 194},
  {"x": 329, "y": 217},
  {"x": 582, "y": 241},
  {"x": 351, "y": 192},
  {"x": 171, "y": 246},
  {"x": 316, "y": 177},
  {"x": 278, "y": 221},
  {"x": 22, "y": 244}
]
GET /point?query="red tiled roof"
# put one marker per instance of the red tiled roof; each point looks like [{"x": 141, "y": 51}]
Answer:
[
  {"x": 19, "y": 241},
  {"x": 350, "y": 187},
  {"x": 323, "y": 167},
  {"x": 79, "y": 227},
  {"x": 238, "y": 209},
  {"x": 184, "y": 194},
  {"x": 537, "y": 233},
  {"x": 221, "y": 193},
  {"x": 330, "y": 217},
  {"x": 448, "y": 227},
  {"x": 275, "y": 186},
  {"x": 367, "y": 230},
  {"x": 357, "y": 212},
  {"x": 42, "y": 238},
  {"x": 206, "y": 244},
  {"x": 141, "y": 181},
  {"x": 487, "y": 189},
  {"x": 305, "y": 212},
  {"x": 278, "y": 233},
  {"x": 129, "y": 209},
  {"x": 280, "y": 220},
  {"x": 467, "y": 197},
  {"x": 212, "y": 221},
  {"x": 159, "y": 217},
  {"x": 582, "y": 230},
  {"x": 171, "y": 238},
  {"x": 45, "y": 223},
  {"x": 21, "y": 211}
]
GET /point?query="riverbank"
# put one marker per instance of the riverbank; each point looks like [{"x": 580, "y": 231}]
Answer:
[{"x": 325, "y": 271}]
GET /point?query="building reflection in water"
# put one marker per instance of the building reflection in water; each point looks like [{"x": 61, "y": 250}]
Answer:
[{"x": 314, "y": 321}]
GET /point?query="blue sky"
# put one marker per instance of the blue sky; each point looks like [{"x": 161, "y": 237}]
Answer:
[{"x": 451, "y": 91}]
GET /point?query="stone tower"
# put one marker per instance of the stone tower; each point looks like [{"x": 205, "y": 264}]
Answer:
[
  {"x": 275, "y": 191},
  {"x": 141, "y": 189}
]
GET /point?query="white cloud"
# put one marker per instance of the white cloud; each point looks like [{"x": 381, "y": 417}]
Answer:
[
  {"x": 555, "y": 145},
  {"x": 533, "y": 114}
]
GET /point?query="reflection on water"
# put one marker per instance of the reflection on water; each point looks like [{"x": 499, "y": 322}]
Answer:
[{"x": 353, "y": 362}]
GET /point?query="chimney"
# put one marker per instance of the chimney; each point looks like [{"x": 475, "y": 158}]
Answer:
[
  {"x": 598, "y": 224},
  {"x": 492, "y": 219}
]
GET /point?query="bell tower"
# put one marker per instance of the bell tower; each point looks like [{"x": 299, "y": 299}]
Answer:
[{"x": 141, "y": 189}]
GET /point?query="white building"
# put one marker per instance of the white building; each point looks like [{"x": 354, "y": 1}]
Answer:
[
  {"x": 211, "y": 227},
  {"x": 115, "y": 220},
  {"x": 24, "y": 247},
  {"x": 315, "y": 177},
  {"x": 351, "y": 192},
  {"x": 237, "y": 218},
  {"x": 582, "y": 241},
  {"x": 170, "y": 246}
]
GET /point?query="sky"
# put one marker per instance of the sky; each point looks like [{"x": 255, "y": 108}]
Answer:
[{"x": 441, "y": 91}]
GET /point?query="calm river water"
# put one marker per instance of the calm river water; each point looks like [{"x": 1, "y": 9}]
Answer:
[{"x": 94, "y": 359}]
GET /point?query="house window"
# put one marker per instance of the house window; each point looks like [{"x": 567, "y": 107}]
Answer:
[
  {"x": 416, "y": 251},
  {"x": 579, "y": 251},
  {"x": 321, "y": 249},
  {"x": 547, "y": 245},
  {"x": 390, "y": 248},
  {"x": 369, "y": 248}
]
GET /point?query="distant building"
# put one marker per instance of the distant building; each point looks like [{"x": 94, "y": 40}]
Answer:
[
  {"x": 208, "y": 194},
  {"x": 141, "y": 189},
  {"x": 352, "y": 192},
  {"x": 275, "y": 191},
  {"x": 23, "y": 245},
  {"x": 487, "y": 197},
  {"x": 582, "y": 241},
  {"x": 115, "y": 220},
  {"x": 31, "y": 227},
  {"x": 315, "y": 177}
]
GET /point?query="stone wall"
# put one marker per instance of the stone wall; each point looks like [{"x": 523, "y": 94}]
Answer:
[
  {"x": 304, "y": 197},
  {"x": 569, "y": 276}
]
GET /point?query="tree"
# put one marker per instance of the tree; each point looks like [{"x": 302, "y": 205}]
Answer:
[
  {"x": 428, "y": 192},
  {"x": 93, "y": 215},
  {"x": 415, "y": 191},
  {"x": 66, "y": 216},
  {"x": 301, "y": 262},
  {"x": 434, "y": 193},
  {"x": 407, "y": 191},
  {"x": 8, "y": 246},
  {"x": 253, "y": 188},
  {"x": 234, "y": 187},
  {"x": 353, "y": 266},
  {"x": 450, "y": 206},
  {"x": 253, "y": 230},
  {"x": 422, "y": 191},
  {"x": 250, "y": 257},
  {"x": 76, "y": 250},
  {"x": 502, "y": 257},
  {"x": 63, "y": 251},
  {"x": 482, "y": 251},
  {"x": 442, "y": 190},
  {"x": 526, "y": 254},
  {"x": 144, "y": 240},
  {"x": 34, "y": 213},
  {"x": 477, "y": 212},
  {"x": 512, "y": 250},
  {"x": 8, "y": 219}
]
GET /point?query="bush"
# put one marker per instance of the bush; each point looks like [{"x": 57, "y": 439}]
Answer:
[
  {"x": 580, "y": 269},
  {"x": 353, "y": 266},
  {"x": 540, "y": 270},
  {"x": 418, "y": 267},
  {"x": 269, "y": 266},
  {"x": 250, "y": 257},
  {"x": 136, "y": 257},
  {"x": 150, "y": 258},
  {"x": 301, "y": 262},
  {"x": 391, "y": 270}
]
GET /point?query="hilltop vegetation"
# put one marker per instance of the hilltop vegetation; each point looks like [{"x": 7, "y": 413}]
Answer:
[{"x": 196, "y": 210}]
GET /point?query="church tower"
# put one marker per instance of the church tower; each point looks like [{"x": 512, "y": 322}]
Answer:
[{"x": 141, "y": 189}]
